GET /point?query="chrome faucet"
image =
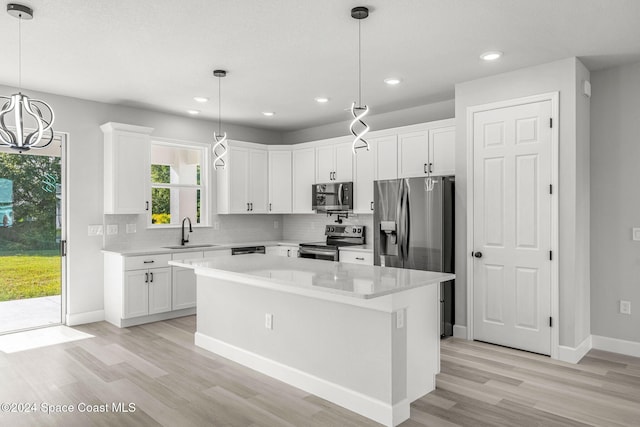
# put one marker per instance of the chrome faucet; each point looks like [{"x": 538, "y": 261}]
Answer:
[{"x": 183, "y": 241}]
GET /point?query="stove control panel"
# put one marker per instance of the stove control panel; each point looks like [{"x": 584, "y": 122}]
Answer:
[{"x": 344, "y": 230}]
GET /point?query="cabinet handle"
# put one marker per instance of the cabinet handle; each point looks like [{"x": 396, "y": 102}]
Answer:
[
  {"x": 247, "y": 207},
  {"x": 251, "y": 204},
  {"x": 359, "y": 258},
  {"x": 147, "y": 205},
  {"x": 269, "y": 207},
  {"x": 430, "y": 167},
  {"x": 371, "y": 205},
  {"x": 146, "y": 277},
  {"x": 151, "y": 277},
  {"x": 289, "y": 252},
  {"x": 148, "y": 262},
  {"x": 425, "y": 168}
]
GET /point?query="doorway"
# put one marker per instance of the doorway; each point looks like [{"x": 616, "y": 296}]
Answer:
[
  {"x": 513, "y": 293},
  {"x": 32, "y": 237}
]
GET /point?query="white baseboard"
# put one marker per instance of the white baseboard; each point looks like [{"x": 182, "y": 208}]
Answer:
[
  {"x": 384, "y": 413},
  {"x": 460, "y": 332},
  {"x": 86, "y": 317},
  {"x": 574, "y": 354},
  {"x": 615, "y": 345}
]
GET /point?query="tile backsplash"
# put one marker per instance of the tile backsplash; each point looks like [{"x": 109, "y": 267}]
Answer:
[{"x": 310, "y": 227}]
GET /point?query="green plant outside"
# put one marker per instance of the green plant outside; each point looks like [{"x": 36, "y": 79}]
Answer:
[{"x": 29, "y": 275}]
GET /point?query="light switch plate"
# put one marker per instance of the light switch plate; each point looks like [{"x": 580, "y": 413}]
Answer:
[
  {"x": 131, "y": 228},
  {"x": 268, "y": 321},
  {"x": 635, "y": 235},
  {"x": 112, "y": 229},
  {"x": 625, "y": 307},
  {"x": 216, "y": 225},
  {"x": 400, "y": 319},
  {"x": 95, "y": 230}
]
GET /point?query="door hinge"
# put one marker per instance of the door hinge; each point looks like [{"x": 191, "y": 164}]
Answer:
[
  {"x": 63, "y": 248},
  {"x": 550, "y": 322},
  {"x": 551, "y": 122},
  {"x": 550, "y": 255},
  {"x": 550, "y": 188}
]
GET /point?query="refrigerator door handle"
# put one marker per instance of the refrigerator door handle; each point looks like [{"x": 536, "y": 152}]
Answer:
[
  {"x": 399, "y": 217},
  {"x": 407, "y": 223}
]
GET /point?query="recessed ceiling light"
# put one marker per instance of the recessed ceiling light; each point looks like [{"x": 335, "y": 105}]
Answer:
[
  {"x": 392, "y": 81},
  {"x": 200, "y": 99},
  {"x": 322, "y": 100},
  {"x": 268, "y": 113},
  {"x": 193, "y": 112},
  {"x": 491, "y": 55}
]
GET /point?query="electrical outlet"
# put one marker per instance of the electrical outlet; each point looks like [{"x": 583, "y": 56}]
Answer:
[
  {"x": 95, "y": 230},
  {"x": 268, "y": 321},
  {"x": 216, "y": 225},
  {"x": 400, "y": 319},
  {"x": 276, "y": 224},
  {"x": 112, "y": 229},
  {"x": 131, "y": 228},
  {"x": 625, "y": 307}
]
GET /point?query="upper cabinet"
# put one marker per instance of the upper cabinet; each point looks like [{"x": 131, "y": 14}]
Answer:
[
  {"x": 126, "y": 168},
  {"x": 431, "y": 150},
  {"x": 334, "y": 162},
  {"x": 379, "y": 163},
  {"x": 243, "y": 183},
  {"x": 280, "y": 182},
  {"x": 303, "y": 177}
]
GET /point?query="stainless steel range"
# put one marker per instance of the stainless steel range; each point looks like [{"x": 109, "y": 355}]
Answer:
[{"x": 337, "y": 236}]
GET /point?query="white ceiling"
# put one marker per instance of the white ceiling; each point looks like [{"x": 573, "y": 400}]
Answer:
[{"x": 281, "y": 54}]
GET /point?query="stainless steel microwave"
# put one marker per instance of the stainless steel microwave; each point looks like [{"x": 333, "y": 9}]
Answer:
[{"x": 332, "y": 197}]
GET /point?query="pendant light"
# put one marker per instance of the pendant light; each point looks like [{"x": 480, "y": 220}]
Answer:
[
  {"x": 219, "y": 147},
  {"x": 24, "y": 112},
  {"x": 359, "y": 111}
]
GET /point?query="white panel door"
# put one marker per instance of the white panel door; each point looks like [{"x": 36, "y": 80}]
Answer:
[
  {"x": 413, "y": 154},
  {"x": 442, "y": 151},
  {"x": 159, "y": 290},
  {"x": 343, "y": 162},
  {"x": 238, "y": 179},
  {"x": 280, "y": 182},
  {"x": 258, "y": 181},
  {"x": 136, "y": 293},
  {"x": 304, "y": 176},
  {"x": 386, "y": 152},
  {"x": 512, "y": 226},
  {"x": 325, "y": 164},
  {"x": 363, "y": 183}
]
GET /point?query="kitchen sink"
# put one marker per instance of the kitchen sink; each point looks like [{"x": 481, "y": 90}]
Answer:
[{"x": 189, "y": 246}]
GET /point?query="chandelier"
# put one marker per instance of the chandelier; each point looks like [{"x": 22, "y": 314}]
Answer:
[
  {"x": 359, "y": 111},
  {"x": 19, "y": 112},
  {"x": 219, "y": 148}
]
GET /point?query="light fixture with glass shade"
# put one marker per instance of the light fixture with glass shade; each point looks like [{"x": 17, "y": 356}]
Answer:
[
  {"x": 25, "y": 123},
  {"x": 219, "y": 147},
  {"x": 359, "y": 111}
]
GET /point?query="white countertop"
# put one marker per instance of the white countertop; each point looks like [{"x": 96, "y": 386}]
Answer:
[
  {"x": 357, "y": 248},
  {"x": 308, "y": 276},
  {"x": 195, "y": 247}
]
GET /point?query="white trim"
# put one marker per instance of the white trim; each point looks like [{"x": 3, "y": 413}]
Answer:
[
  {"x": 369, "y": 407},
  {"x": 460, "y": 332},
  {"x": 86, "y": 317},
  {"x": 553, "y": 97},
  {"x": 616, "y": 345},
  {"x": 574, "y": 354}
]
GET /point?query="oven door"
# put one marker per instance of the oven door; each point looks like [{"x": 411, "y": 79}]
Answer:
[{"x": 318, "y": 253}]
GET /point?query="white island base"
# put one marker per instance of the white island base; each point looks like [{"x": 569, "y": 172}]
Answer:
[{"x": 373, "y": 355}]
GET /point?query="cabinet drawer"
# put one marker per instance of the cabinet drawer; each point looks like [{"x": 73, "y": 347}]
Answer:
[
  {"x": 356, "y": 257},
  {"x": 146, "y": 261},
  {"x": 187, "y": 255}
]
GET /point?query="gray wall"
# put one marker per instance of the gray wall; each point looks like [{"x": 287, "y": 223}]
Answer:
[
  {"x": 558, "y": 76},
  {"x": 615, "y": 201},
  {"x": 81, "y": 120}
]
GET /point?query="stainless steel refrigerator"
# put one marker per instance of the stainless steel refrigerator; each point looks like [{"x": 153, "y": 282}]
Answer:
[{"x": 413, "y": 224}]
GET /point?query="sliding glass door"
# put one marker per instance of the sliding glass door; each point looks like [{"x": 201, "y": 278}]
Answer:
[{"x": 31, "y": 237}]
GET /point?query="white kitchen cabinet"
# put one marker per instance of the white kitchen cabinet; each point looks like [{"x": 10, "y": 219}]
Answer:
[
  {"x": 243, "y": 183},
  {"x": 431, "y": 150},
  {"x": 138, "y": 289},
  {"x": 290, "y": 251},
  {"x": 126, "y": 168},
  {"x": 304, "y": 176},
  {"x": 334, "y": 163},
  {"x": 356, "y": 257},
  {"x": 386, "y": 157},
  {"x": 280, "y": 182},
  {"x": 184, "y": 282},
  {"x": 364, "y": 174}
]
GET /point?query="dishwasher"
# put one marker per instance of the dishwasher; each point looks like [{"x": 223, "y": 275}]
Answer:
[{"x": 244, "y": 250}]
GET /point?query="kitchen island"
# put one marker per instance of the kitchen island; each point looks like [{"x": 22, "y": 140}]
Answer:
[{"x": 364, "y": 337}]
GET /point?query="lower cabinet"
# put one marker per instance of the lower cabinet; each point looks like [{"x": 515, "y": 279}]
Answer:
[
  {"x": 147, "y": 292},
  {"x": 184, "y": 279},
  {"x": 290, "y": 251},
  {"x": 356, "y": 257}
]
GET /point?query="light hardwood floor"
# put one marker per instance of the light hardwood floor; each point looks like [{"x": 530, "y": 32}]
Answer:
[{"x": 174, "y": 383}]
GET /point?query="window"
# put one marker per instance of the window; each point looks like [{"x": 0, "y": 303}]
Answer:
[{"x": 178, "y": 183}]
